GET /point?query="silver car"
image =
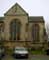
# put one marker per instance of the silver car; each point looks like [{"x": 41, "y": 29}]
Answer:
[{"x": 20, "y": 52}]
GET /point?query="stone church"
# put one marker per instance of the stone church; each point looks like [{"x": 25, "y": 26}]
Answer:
[{"x": 17, "y": 28}]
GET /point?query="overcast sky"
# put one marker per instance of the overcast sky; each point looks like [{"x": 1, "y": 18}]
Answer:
[{"x": 32, "y": 7}]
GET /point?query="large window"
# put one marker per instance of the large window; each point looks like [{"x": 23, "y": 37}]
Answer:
[
  {"x": 35, "y": 33},
  {"x": 15, "y": 30}
]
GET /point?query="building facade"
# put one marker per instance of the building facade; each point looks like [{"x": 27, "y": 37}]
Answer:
[{"x": 17, "y": 28}]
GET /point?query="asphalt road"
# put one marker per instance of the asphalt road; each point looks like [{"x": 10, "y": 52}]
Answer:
[{"x": 31, "y": 57}]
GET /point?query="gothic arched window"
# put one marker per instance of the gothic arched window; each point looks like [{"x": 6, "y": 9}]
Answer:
[
  {"x": 15, "y": 30},
  {"x": 35, "y": 33}
]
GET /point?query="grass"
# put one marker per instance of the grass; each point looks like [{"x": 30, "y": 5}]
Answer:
[{"x": 37, "y": 52}]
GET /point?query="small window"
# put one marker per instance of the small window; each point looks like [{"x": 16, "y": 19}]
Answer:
[{"x": 1, "y": 30}]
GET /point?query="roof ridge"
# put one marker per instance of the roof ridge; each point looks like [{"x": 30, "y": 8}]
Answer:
[{"x": 35, "y": 16}]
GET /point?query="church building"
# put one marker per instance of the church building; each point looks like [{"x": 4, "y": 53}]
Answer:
[{"x": 17, "y": 28}]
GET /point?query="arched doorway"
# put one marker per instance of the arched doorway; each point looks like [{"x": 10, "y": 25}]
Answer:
[{"x": 15, "y": 30}]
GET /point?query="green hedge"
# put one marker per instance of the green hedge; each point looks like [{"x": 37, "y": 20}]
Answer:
[
  {"x": 36, "y": 52},
  {"x": 9, "y": 51}
]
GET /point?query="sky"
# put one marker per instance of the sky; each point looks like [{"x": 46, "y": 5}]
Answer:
[{"x": 32, "y": 7}]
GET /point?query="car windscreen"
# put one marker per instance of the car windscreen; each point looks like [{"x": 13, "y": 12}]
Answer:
[{"x": 20, "y": 49}]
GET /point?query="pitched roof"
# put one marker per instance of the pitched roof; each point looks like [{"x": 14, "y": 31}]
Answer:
[
  {"x": 16, "y": 9},
  {"x": 36, "y": 19}
]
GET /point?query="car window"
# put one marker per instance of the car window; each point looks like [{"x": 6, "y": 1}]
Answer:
[{"x": 20, "y": 49}]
